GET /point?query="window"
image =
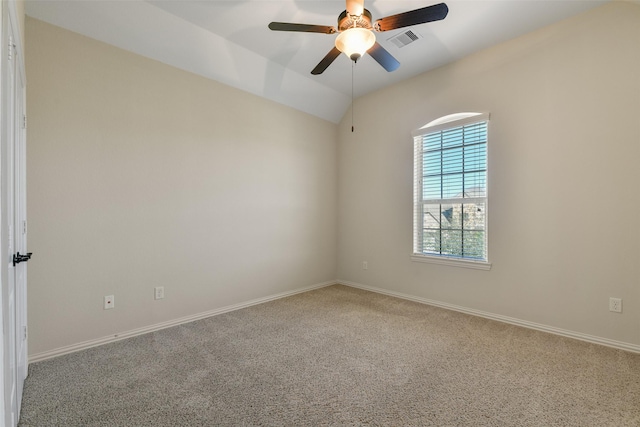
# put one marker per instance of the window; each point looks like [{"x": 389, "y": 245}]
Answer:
[{"x": 450, "y": 191}]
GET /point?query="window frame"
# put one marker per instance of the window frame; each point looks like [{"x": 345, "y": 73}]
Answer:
[{"x": 441, "y": 124}]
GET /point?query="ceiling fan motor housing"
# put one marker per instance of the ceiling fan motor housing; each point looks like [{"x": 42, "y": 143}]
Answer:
[{"x": 346, "y": 21}]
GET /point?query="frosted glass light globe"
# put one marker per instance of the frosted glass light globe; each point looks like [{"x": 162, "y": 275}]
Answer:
[{"x": 355, "y": 42}]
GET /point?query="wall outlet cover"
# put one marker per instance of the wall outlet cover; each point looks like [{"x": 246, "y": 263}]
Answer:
[
  {"x": 109, "y": 302},
  {"x": 615, "y": 305}
]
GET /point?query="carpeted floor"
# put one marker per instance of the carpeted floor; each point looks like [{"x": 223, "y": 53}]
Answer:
[{"x": 338, "y": 356}]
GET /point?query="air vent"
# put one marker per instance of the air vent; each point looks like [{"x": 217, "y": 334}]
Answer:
[{"x": 403, "y": 39}]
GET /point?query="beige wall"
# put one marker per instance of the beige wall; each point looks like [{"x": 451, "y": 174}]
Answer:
[
  {"x": 141, "y": 175},
  {"x": 564, "y": 147}
]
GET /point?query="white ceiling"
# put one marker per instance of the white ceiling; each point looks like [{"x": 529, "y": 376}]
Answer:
[{"x": 229, "y": 41}]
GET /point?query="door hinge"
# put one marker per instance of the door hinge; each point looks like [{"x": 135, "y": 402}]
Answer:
[
  {"x": 24, "y": 121},
  {"x": 24, "y": 227},
  {"x": 11, "y": 46},
  {"x": 25, "y": 333}
]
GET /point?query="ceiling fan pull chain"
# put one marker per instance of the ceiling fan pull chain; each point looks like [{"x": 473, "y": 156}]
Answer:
[{"x": 353, "y": 64}]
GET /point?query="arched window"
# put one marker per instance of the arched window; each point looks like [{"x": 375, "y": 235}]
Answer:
[{"x": 450, "y": 191}]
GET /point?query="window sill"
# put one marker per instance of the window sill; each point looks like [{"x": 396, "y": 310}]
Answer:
[{"x": 453, "y": 262}]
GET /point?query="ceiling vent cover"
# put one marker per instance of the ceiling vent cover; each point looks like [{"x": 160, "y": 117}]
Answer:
[{"x": 403, "y": 39}]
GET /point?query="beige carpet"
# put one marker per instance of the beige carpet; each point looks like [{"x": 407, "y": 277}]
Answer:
[{"x": 338, "y": 356}]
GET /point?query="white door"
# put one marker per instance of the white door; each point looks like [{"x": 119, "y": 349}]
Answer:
[
  {"x": 11, "y": 372},
  {"x": 12, "y": 179},
  {"x": 20, "y": 234}
]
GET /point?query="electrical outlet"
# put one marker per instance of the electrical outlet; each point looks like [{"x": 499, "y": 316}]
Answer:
[
  {"x": 615, "y": 304},
  {"x": 109, "y": 302},
  {"x": 159, "y": 292},
  {"x": 365, "y": 265}
]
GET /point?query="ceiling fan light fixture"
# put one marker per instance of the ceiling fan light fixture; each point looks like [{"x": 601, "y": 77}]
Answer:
[{"x": 355, "y": 42}]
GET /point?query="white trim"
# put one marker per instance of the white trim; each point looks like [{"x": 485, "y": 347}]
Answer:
[
  {"x": 454, "y": 262},
  {"x": 620, "y": 345},
  {"x": 3, "y": 243},
  {"x": 38, "y": 357},
  {"x": 450, "y": 121},
  {"x": 13, "y": 17}
]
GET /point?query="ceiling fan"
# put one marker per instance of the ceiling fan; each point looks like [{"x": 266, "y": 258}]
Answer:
[{"x": 357, "y": 32}]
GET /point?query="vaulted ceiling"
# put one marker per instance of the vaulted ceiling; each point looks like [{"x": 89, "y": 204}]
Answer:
[{"x": 229, "y": 41}]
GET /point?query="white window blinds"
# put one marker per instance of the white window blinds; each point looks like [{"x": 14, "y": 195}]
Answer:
[{"x": 450, "y": 189}]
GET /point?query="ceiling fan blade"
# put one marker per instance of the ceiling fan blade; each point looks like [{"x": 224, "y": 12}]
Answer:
[
  {"x": 355, "y": 7},
  {"x": 436, "y": 12},
  {"x": 305, "y": 28},
  {"x": 326, "y": 61},
  {"x": 383, "y": 57}
]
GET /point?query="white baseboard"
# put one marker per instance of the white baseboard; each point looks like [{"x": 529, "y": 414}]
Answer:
[
  {"x": 511, "y": 320},
  {"x": 38, "y": 357}
]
